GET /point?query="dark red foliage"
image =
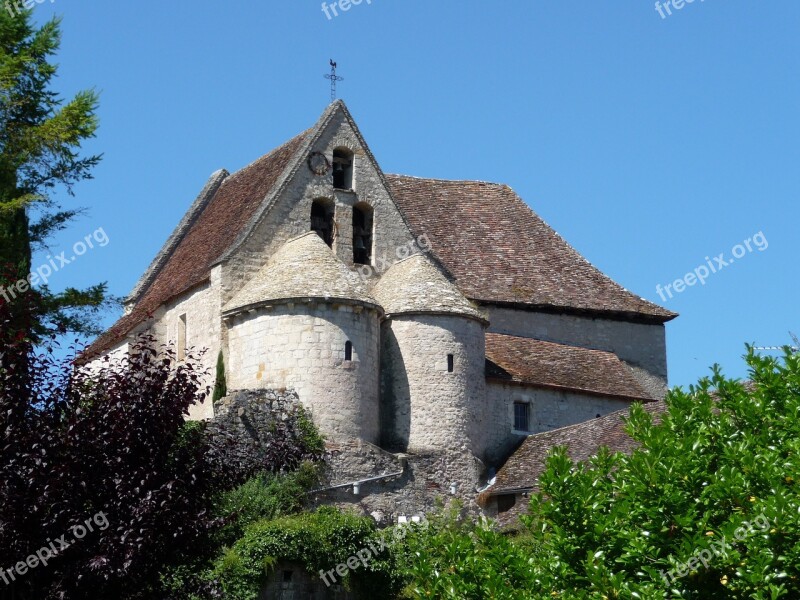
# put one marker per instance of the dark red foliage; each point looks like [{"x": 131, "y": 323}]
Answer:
[{"x": 74, "y": 444}]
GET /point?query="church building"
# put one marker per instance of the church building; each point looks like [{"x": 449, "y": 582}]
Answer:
[{"x": 428, "y": 326}]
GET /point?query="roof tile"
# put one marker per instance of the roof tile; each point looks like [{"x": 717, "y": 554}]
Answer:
[
  {"x": 500, "y": 251},
  {"x": 523, "y": 360}
]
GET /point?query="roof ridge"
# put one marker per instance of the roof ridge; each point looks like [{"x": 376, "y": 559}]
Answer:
[{"x": 495, "y": 183}]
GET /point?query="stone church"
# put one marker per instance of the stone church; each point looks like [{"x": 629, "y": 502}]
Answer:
[{"x": 429, "y": 326}]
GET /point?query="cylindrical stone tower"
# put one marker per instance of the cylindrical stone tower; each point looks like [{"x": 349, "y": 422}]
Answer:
[
  {"x": 433, "y": 388},
  {"x": 305, "y": 322}
]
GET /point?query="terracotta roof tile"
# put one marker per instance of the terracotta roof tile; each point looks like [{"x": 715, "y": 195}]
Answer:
[
  {"x": 495, "y": 247},
  {"x": 583, "y": 440},
  {"x": 500, "y": 251},
  {"x": 207, "y": 239},
  {"x": 523, "y": 360}
]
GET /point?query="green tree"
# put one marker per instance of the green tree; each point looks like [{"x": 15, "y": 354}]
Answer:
[
  {"x": 220, "y": 385},
  {"x": 707, "y": 508},
  {"x": 40, "y": 151}
]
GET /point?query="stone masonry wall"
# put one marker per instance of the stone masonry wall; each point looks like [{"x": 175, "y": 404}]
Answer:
[
  {"x": 203, "y": 323},
  {"x": 424, "y": 407},
  {"x": 549, "y": 409},
  {"x": 291, "y": 213},
  {"x": 302, "y": 347},
  {"x": 424, "y": 479},
  {"x": 250, "y": 414},
  {"x": 424, "y": 484}
]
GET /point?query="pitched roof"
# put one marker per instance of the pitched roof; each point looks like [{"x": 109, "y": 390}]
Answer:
[
  {"x": 514, "y": 359},
  {"x": 205, "y": 240},
  {"x": 287, "y": 276},
  {"x": 497, "y": 249},
  {"x": 415, "y": 285},
  {"x": 583, "y": 440},
  {"x": 500, "y": 251}
]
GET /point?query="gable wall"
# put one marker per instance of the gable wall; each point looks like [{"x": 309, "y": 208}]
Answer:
[{"x": 290, "y": 215}]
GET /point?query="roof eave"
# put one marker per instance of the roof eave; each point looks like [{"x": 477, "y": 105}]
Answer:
[
  {"x": 437, "y": 313},
  {"x": 232, "y": 312},
  {"x": 615, "y": 315}
]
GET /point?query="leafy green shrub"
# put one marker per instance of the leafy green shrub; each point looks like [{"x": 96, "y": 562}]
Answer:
[
  {"x": 310, "y": 437},
  {"x": 318, "y": 540},
  {"x": 455, "y": 558},
  {"x": 264, "y": 497},
  {"x": 617, "y": 527},
  {"x": 220, "y": 383}
]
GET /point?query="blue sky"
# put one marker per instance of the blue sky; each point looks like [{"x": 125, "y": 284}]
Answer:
[{"x": 648, "y": 143}]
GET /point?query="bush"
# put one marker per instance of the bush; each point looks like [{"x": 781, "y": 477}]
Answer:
[
  {"x": 319, "y": 540},
  {"x": 264, "y": 497},
  {"x": 708, "y": 507},
  {"x": 78, "y": 445},
  {"x": 455, "y": 558}
]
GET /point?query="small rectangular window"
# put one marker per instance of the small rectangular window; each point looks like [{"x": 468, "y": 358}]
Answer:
[
  {"x": 348, "y": 351},
  {"x": 181, "y": 337},
  {"x": 450, "y": 363},
  {"x": 522, "y": 416}
]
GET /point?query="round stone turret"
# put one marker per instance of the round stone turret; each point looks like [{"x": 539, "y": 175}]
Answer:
[
  {"x": 306, "y": 322},
  {"x": 433, "y": 354}
]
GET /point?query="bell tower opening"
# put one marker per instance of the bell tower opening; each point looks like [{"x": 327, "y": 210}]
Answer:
[
  {"x": 342, "y": 169},
  {"x": 322, "y": 219},
  {"x": 362, "y": 234}
]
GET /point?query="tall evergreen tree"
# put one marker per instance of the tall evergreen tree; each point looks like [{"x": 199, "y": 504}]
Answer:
[
  {"x": 221, "y": 385},
  {"x": 40, "y": 151}
]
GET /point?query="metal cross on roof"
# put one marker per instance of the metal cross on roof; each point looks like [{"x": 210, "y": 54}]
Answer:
[{"x": 334, "y": 78}]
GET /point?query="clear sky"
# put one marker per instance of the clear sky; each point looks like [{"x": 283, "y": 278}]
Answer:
[{"x": 648, "y": 143}]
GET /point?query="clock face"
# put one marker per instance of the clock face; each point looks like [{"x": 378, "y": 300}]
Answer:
[{"x": 318, "y": 163}]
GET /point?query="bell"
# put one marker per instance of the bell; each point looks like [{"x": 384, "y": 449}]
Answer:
[{"x": 360, "y": 244}]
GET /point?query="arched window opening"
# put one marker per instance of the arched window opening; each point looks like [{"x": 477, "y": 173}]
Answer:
[
  {"x": 342, "y": 169},
  {"x": 322, "y": 220},
  {"x": 348, "y": 351},
  {"x": 362, "y": 234}
]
